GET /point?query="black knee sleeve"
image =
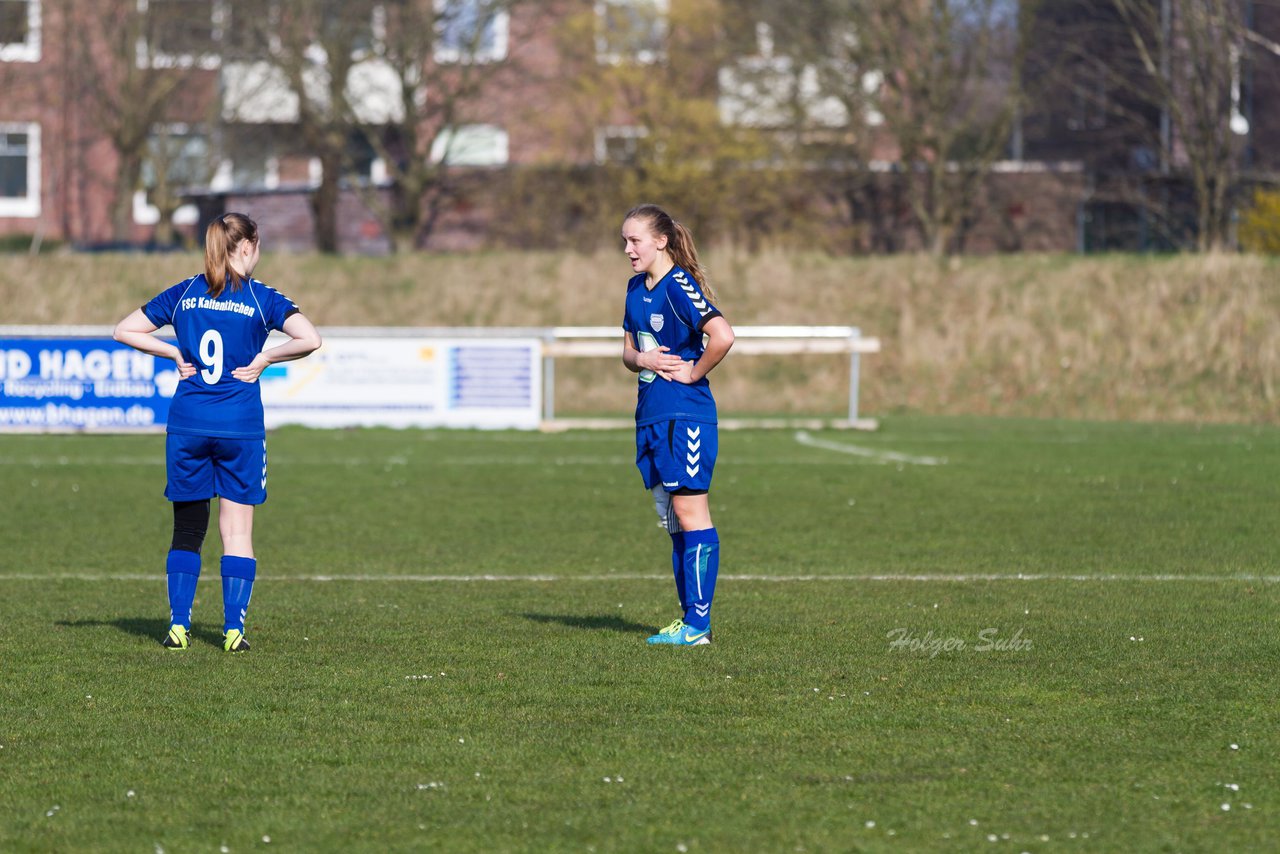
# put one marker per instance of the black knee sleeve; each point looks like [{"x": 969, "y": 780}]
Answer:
[{"x": 190, "y": 524}]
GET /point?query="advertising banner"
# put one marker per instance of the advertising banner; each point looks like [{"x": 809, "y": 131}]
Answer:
[
  {"x": 409, "y": 382},
  {"x": 57, "y": 384},
  {"x": 82, "y": 384}
]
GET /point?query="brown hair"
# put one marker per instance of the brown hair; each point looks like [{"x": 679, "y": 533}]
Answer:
[
  {"x": 679, "y": 242},
  {"x": 220, "y": 239}
]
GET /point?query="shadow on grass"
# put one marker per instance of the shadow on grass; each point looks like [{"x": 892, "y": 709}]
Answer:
[
  {"x": 607, "y": 623},
  {"x": 144, "y": 627}
]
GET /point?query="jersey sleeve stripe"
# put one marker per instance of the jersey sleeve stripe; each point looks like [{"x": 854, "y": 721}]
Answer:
[{"x": 695, "y": 296}]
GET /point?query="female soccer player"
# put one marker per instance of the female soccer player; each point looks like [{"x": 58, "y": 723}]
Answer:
[
  {"x": 216, "y": 443},
  {"x": 673, "y": 337}
]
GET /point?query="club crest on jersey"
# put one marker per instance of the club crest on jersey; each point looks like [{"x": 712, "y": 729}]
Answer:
[{"x": 656, "y": 320}]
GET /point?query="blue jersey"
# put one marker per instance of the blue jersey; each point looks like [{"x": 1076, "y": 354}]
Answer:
[
  {"x": 218, "y": 335},
  {"x": 670, "y": 315}
]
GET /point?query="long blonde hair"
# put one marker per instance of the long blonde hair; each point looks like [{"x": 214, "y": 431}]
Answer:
[
  {"x": 679, "y": 242},
  {"x": 220, "y": 239}
]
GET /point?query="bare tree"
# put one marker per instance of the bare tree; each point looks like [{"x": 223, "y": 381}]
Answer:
[
  {"x": 175, "y": 163},
  {"x": 800, "y": 73},
  {"x": 134, "y": 66},
  {"x": 435, "y": 63},
  {"x": 297, "y": 76},
  {"x": 1191, "y": 51},
  {"x": 791, "y": 74},
  {"x": 357, "y": 82},
  {"x": 949, "y": 98},
  {"x": 641, "y": 100}
]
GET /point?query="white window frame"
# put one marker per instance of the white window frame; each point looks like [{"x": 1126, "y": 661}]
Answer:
[
  {"x": 451, "y": 55},
  {"x": 219, "y": 13},
  {"x": 26, "y": 207},
  {"x": 606, "y": 56},
  {"x": 27, "y": 50},
  {"x": 453, "y": 143}
]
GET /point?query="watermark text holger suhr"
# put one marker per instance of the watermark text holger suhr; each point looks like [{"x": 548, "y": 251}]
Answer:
[{"x": 987, "y": 640}]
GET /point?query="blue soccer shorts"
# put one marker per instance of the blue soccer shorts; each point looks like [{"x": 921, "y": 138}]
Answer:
[
  {"x": 680, "y": 455},
  {"x": 201, "y": 467}
]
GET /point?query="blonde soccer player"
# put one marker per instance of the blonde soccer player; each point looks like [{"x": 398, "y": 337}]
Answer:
[
  {"x": 673, "y": 336},
  {"x": 216, "y": 443}
]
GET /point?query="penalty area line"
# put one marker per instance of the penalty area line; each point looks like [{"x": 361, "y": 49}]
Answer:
[{"x": 807, "y": 439}]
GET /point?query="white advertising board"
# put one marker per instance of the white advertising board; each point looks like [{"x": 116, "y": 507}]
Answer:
[{"x": 409, "y": 382}]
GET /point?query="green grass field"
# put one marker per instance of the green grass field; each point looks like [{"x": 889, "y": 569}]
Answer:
[{"x": 449, "y": 647}]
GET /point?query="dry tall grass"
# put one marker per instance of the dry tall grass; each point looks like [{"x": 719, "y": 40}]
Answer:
[{"x": 1118, "y": 337}]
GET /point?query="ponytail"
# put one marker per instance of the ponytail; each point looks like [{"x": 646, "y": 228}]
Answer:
[
  {"x": 221, "y": 237},
  {"x": 679, "y": 243},
  {"x": 681, "y": 249}
]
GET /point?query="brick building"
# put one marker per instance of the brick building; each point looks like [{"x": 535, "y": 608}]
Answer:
[
  {"x": 214, "y": 126},
  {"x": 76, "y": 73}
]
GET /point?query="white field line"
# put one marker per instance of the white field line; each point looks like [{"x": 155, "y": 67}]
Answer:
[
  {"x": 283, "y": 460},
  {"x": 804, "y": 438},
  {"x": 963, "y": 578}
]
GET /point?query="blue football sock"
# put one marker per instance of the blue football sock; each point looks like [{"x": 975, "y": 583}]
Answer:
[
  {"x": 237, "y": 588},
  {"x": 677, "y": 566},
  {"x": 701, "y": 566},
  {"x": 182, "y": 571}
]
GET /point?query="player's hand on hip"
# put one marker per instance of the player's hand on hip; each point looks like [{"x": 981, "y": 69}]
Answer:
[
  {"x": 660, "y": 361},
  {"x": 249, "y": 373},
  {"x": 185, "y": 368},
  {"x": 683, "y": 373}
]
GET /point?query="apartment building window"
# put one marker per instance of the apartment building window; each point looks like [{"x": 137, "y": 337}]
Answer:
[
  {"x": 471, "y": 145},
  {"x": 358, "y": 24},
  {"x": 619, "y": 143},
  {"x": 255, "y": 168},
  {"x": 178, "y": 158},
  {"x": 20, "y": 170},
  {"x": 245, "y": 27},
  {"x": 19, "y": 30},
  {"x": 470, "y": 31},
  {"x": 358, "y": 165},
  {"x": 181, "y": 33},
  {"x": 179, "y": 155},
  {"x": 631, "y": 30}
]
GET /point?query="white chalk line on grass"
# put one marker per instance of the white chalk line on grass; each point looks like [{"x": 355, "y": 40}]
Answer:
[
  {"x": 1156, "y": 578},
  {"x": 802, "y": 437},
  {"x": 805, "y": 438},
  {"x": 59, "y": 465}
]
